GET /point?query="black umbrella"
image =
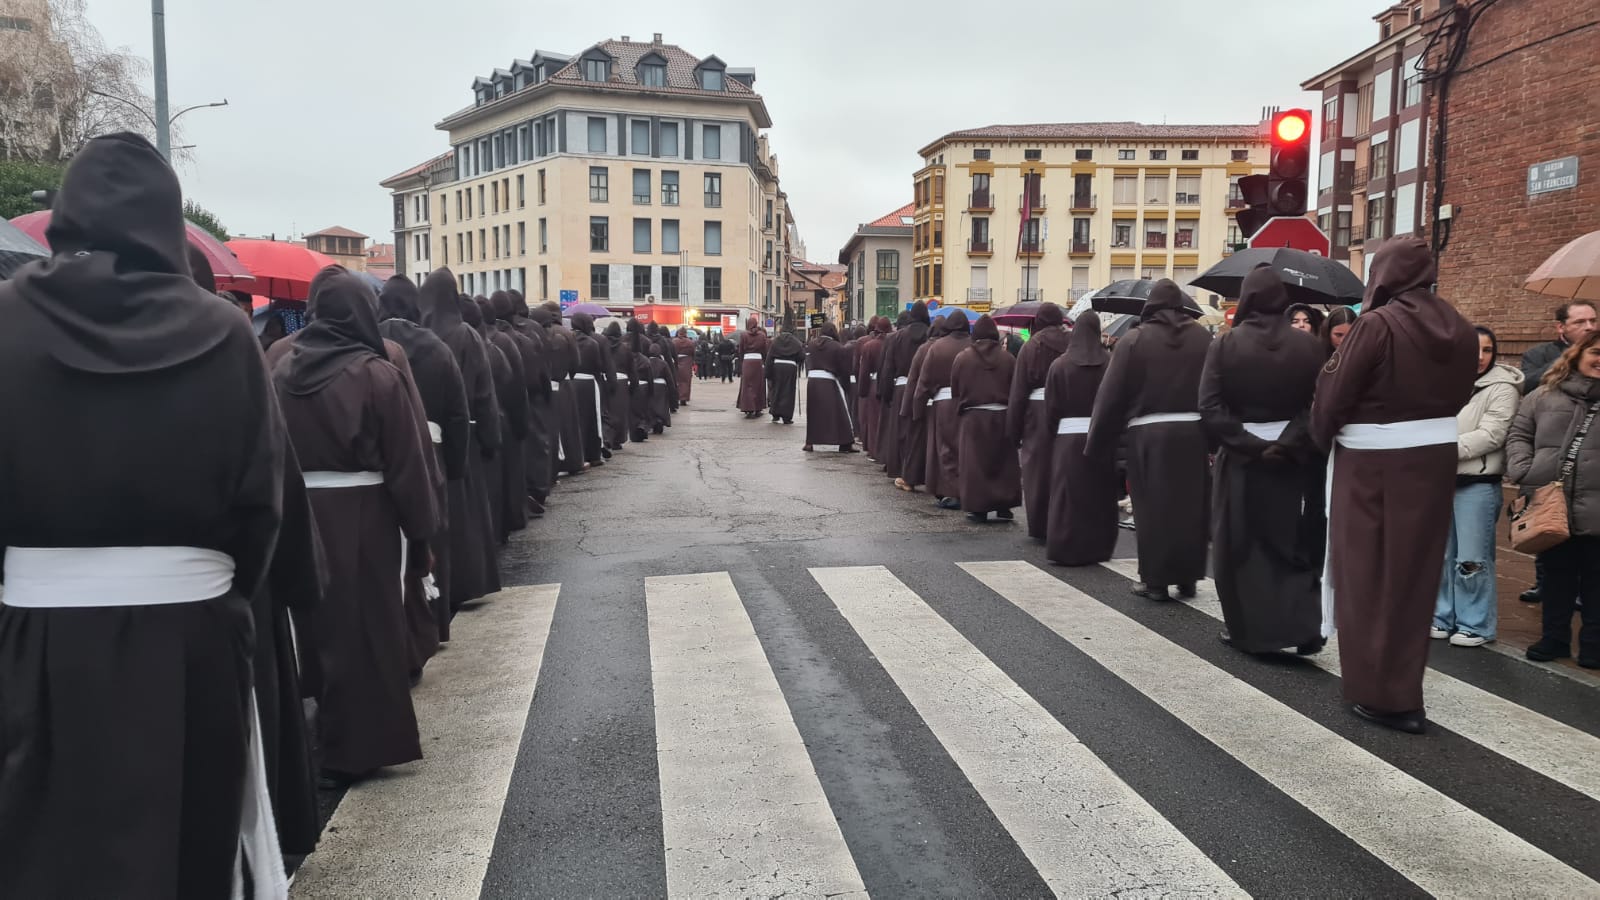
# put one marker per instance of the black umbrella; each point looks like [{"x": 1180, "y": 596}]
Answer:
[
  {"x": 1310, "y": 278},
  {"x": 1128, "y": 297},
  {"x": 17, "y": 249}
]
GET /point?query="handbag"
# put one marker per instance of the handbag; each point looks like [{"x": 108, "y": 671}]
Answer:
[{"x": 1539, "y": 519}]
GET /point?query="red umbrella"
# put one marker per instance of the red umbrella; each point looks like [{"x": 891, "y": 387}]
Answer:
[
  {"x": 283, "y": 271},
  {"x": 231, "y": 274}
]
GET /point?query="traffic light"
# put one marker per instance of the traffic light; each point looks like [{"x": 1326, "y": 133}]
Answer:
[{"x": 1285, "y": 189}]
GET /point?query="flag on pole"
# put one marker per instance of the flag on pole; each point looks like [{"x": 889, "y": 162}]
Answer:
[{"x": 1027, "y": 209}]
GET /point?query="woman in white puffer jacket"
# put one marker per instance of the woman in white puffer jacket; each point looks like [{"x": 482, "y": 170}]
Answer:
[{"x": 1467, "y": 611}]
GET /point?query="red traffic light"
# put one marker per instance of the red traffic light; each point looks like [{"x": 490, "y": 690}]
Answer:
[{"x": 1291, "y": 127}]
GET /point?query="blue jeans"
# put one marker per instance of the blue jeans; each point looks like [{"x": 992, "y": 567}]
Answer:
[{"x": 1467, "y": 598}]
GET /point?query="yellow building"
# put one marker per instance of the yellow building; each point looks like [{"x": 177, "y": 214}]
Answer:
[
  {"x": 632, "y": 173},
  {"x": 1105, "y": 201}
]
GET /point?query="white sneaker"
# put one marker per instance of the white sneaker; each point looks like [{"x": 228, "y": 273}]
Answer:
[
  {"x": 1462, "y": 639},
  {"x": 1438, "y": 634}
]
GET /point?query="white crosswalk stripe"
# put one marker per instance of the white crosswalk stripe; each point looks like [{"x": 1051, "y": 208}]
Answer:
[
  {"x": 1084, "y": 829},
  {"x": 1439, "y": 844},
  {"x": 743, "y": 814},
  {"x": 1553, "y": 749}
]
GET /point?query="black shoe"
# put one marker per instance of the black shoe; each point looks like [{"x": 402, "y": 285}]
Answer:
[
  {"x": 1531, "y": 595},
  {"x": 330, "y": 780},
  {"x": 1589, "y": 659},
  {"x": 949, "y": 503},
  {"x": 1311, "y": 648},
  {"x": 1005, "y": 514},
  {"x": 774, "y": 420},
  {"x": 1225, "y": 637},
  {"x": 977, "y": 518},
  {"x": 604, "y": 453},
  {"x": 1409, "y": 722},
  {"x": 1186, "y": 590},
  {"x": 1545, "y": 650},
  {"x": 788, "y": 421},
  {"x": 1151, "y": 592}
]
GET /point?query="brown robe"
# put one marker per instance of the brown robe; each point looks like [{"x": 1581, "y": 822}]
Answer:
[
  {"x": 422, "y": 622},
  {"x": 900, "y": 350},
  {"x": 869, "y": 362},
  {"x": 619, "y": 412},
  {"x": 913, "y": 426},
  {"x": 1156, "y": 369},
  {"x": 752, "y": 380},
  {"x": 827, "y": 408},
  {"x": 1267, "y": 527},
  {"x": 595, "y": 363},
  {"x": 784, "y": 378},
  {"x": 1409, "y": 357},
  {"x": 513, "y": 397},
  {"x": 1082, "y": 520},
  {"x": 944, "y": 422},
  {"x": 539, "y": 450},
  {"x": 563, "y": 365},
  {"x": 660, "y": 391},
  {"x": 684, "y": 348},
  {"x": 1030, "y": 429},
  {"x": 989, "y": 480},
  {"x": 362, "y": 418}
]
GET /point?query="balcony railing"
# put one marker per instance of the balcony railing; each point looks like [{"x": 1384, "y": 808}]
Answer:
[
  {"x": 1360, "y": 177},
  {"x": 1038, "y": 202},
  {"x": 983, "y": 200},
  {"x": 1227, "y": 249},
  {"x": 980, "y": 294},
  {"x": 980, "y": 246},
  {"x": 1032, "y": 248},
  {"x": 1082, "y": 247},
  {"x": 1155, "y": 242},
  {"x": 1077, "y": 294},
  {"x": 1358, "y": 235},
  {"x": 1085, "y": 201},
  {"x": 1237, "y": 203},
  {"x": 1183, "y": 241},
  {"x": 1024, "y": 294}
]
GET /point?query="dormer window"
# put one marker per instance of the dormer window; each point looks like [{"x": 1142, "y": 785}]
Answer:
[
  {"x": 711, "y": 79},
  {"x": 597, "y": 69},
  {"x": 538, "y": 73},
  {"x": 653, "y": 75},
  {"x": 709, "y": 75}
]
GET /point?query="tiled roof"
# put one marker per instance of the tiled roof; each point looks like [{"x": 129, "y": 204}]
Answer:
[
  {"x": 897, "y": 219},
  {"x": 419, "y": 168},
  {"x": 1098, "y": 130},
  {"x": 337, "y": 231},
  {"x": 624, "y": 70}
]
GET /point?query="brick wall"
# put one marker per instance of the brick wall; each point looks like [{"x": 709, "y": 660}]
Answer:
[{"x": 1531, "y": 105}]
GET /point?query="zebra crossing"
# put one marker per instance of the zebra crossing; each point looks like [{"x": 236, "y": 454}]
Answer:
[{"x": 1110, "y": 752}]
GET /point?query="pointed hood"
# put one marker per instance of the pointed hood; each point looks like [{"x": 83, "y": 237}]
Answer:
[
  {"x": 472, "y": 313},
  {"x": 1400, "y": 265},
  {"x": 583, "y": 323},
  {"x": 343, "y": 330},
  {"x": 504, "y": 307},
  {"x": 1263, "y": 302},
  {"x": 919, "y": 312},
  {"x": 1048, "y": 316},
  {"x": 986, "y": 343},
  {"x": 400, "y": 300},
  {"x": 117, "y": 293},
  {"x": 1086, "y": 347},
  {"x": 1166, "y": 308},
  {"x": 1401, "y": 275},
  {"x": 519, "y": 304},
  {"x": 441, "y": 306}
]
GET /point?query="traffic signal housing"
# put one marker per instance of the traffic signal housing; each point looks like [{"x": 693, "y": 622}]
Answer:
[{"x": 1285, "y": 189}]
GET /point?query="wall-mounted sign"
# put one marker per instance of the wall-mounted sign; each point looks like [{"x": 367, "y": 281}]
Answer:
[{"x": 1555, "y": 175}]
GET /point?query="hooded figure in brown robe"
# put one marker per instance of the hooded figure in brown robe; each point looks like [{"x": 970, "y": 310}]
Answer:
[
  {"x": 506, "y": 309},
  {"x": 980, "y": 383},
  {"x": 1082, "y": 520},
  {"x": 930, "y": 400},
  {"x": 660, "y": 389},
  {"x": 752, "y": 365},
  {"x": 539, "y": 450},
  {"x": 511, "y": 390},
  {"x": 869, "y": 360},
  {"x": 471, "y": 531},
  {"x": 784, "y": 359},
  {"x": 1409, "y": 365},
  {"x": 123, "y": 753},
  {"x": 644, "y": 375},
  {"x": 1030, "y": 429},
  {"x": 827, "y": 405},
  {"x": 1267, "y": 531},
  {"x": 590, "y": 383},
  {"x": 351, "y": 417},
  {"x": 619, "y": 411},
  {"x": 1151, "y": 392},
  {"x": 683, "y": 348},
  {"x": 893, "y": 377},
  {"x": 564, "y": 364},
  {"x": 913, "y": 419},
  {"x": 657, "y": 335}
]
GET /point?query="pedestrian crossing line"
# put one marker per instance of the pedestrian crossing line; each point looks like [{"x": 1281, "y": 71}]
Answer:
[
  {"x": 427, "y": 829},
  {"x": 1530, "y": 739},
  {"x": 1086, "y": 831},
  {"x": 743, "y": 813},
  {"x": 1442, "y": 846}
]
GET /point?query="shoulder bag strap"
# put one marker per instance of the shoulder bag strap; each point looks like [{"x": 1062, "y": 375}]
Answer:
[{"x": 1570, "y": 461}]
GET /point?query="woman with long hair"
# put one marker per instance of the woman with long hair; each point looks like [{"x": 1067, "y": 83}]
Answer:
[{"x": 1336, "y": 327}]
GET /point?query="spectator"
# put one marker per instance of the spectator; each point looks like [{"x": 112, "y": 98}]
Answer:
[
  {"x": 1304, "y": 317},
  {"x": 1549, "y": 443},
  {"x": 1466, "y": 612},
  {"x": 1335, "y": 328}
]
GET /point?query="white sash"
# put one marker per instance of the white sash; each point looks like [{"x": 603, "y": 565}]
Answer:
[
  {"x": 873, "y": 375},
  {"x": 622, "y": 377},
  {"x": 1267, "y": 431},
  {"x": 598, "y": 415},
  {"x": 1374, "y": 436},
  {"x": 435, "y": 432},
  {"x": 829, "y": 376},
  {"x": 994, "y": 407},
  {"x": 1160, "y": 418},
  {"x": 753, "y": 356},
  {"x": 1073, "y": 425},
  {"x": 901, "y": 380},
  {"x": 102, "y": 577},
  {"x": 324, "y": 480},
  {"x": 658, "y": 381},
  {"x": 555, "y": 385},
  {"x": 786, "y": 362},
  {"x": 1036, "y": 394},
  {"x": 943, "y": 394}
]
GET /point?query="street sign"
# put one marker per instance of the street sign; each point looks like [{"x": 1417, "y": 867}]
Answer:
[
  {"x": 1292, "y": 231},
  {"x": 1555, "y": 175},
  {"x": 979, "y": 306},
  {"x": 818, "y": 320},
  {"x": 568, "y": 299}
]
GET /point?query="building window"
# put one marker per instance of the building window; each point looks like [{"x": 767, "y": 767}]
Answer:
[
  {"x": 980, "y": 235},
  {"x": 599, "y": 184},
  {"x": 444, "y": 209},
  {"x": 599, "y": 234},
  {"x": 13, "y": 23},
  {"x": 938, "y": 189},
  {"x": 1158, "y": 154},
  {"x": 713, "y": 238},
  {"x": 522, "y": 191},
  {"x": 544, "y": 282},
  {"x": 461, "y": 248},
  {"x": 597, "y": 134},
  {"x": 1377, "y": 219},
  {"x": 1330, "y": 116},
  {"x": 1183, "y": 238},
  {"x": 1341, "y": 228},
  {"x": 641, "y": 235},
  {"x": 1412, "y": 88},
  {"x": 1380, "y": 160},
  {"x": 653, "y": 75},
  {"x": 469, "y": 203},
  {"x": 1382, "y": 94},
  {"x": 1125, "y": 154},
  {"x": 639, "y": 140},
  {"x": 713, "y": 284},
  {"x": 596, "y": 70},
  {"x": 938, "y": 233},
  {"x": 1083, "y": 154},
  {"x": 544, "y": 236},
  {"x": 1125, "y": 190},
  {"x": 669, "y": 236},
  {"x": 599, "y": 282},
  {"x": 669, "y": 188},
  {"x": 1080, "y": 235},
  {"x": 1031, "y": 242},
  {"x": 1033, "y": 154},
  {"x": 1240, "y": 156},
  {"x": 713, "y": 190},
  {"x": 711, "y": 79},
  {"x": 1188, "y": 190},
  {"x": 483, "y": 208},
  {"x": 711, "y": 144},
  {"x": 888, "y": 266},
  {"x": 522, "y": 238},
  {"x": 982, "y": 153},
  {"x": 669, "y": 139},
  {"x": 541, "y": 187},
  {"x": 669, "y": 283},
  {"x": 641, "y": 187},
  {"x": 1191, "y": 155},
  {"x": 1155, "y": 234},
  {"x": 1364, "y": 109},
  {"x": 938, "y": 279},
  {"x": 641, "y": 282},
  {"x": 496, "y": 198},
  {"x": 1235, "y": 236},
  {"x": 1155, "y": 190},
  {"x": 496, "y": 243},
  {"x": 483, "y": 245},
  {"x": 1122, "y": 233},
  {"x": 980, "y": 192}
]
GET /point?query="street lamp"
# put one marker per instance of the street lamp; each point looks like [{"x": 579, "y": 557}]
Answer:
[{"x": 163, "y": 135}]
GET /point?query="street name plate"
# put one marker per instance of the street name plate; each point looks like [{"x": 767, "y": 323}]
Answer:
[{"x": 1555, "y": 175}]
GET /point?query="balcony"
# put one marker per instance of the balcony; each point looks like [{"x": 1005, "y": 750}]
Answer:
[
  {"x": 1031, "y": 249},
  {"x": 1227, "y": 249},
  {"x": 1081, "y": 248},
  {"x": 1358, "y": 235},
  {"x": 980, "y": 201},
  {"x": 1360, "y": 177},
  {"x": 980, "y": 247},
  {"x": 1024, "y": 294},
  {"x": 982, "y": 295},
  {"x": 1155, "y": 242},
  {"x": 1038, "y": 202},
  {"x": 1236, "y": 203},
  {"x": 1085, "y": 202},
  {"x": 1183, "y": 241}
]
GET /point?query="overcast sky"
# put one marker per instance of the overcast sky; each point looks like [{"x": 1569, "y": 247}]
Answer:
[{"x": 328, "y": 97}]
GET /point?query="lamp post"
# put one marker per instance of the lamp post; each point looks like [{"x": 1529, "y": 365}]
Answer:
[
  {"x": 163, "y": 135},
  {"x": 162, "y": 121}
]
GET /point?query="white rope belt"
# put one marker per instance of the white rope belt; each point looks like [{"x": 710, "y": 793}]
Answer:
[
  {"x": 103, "y": 577},
  {"x": 658, "y": 381},
  {"x": 622, "y": 377},
  {"x": 943, "y": 394},
  {"x": 1161, "y": 418},
  {"x": 324, "y": 480},
  {"x": 819, "y": 373},
  {"x": 598, "y": 415},
  {"x": 435, "y": 432},
  {"x": 555, "y": 385},
  {"x": 1398, "y": 435},
  {"x": 753, "y": 356},
  {"x": 583, "y": 376},
  {"x": 901, "y": 381},
  {"x": 787, "y": 362},
  {"x": 1267, "y": 431},
  {"x": 829, "y": 376},
  {"x": 1073, "y": 425},
  {"x": 992, "y": 407},
  {"x": 1036, "y": 394}
]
